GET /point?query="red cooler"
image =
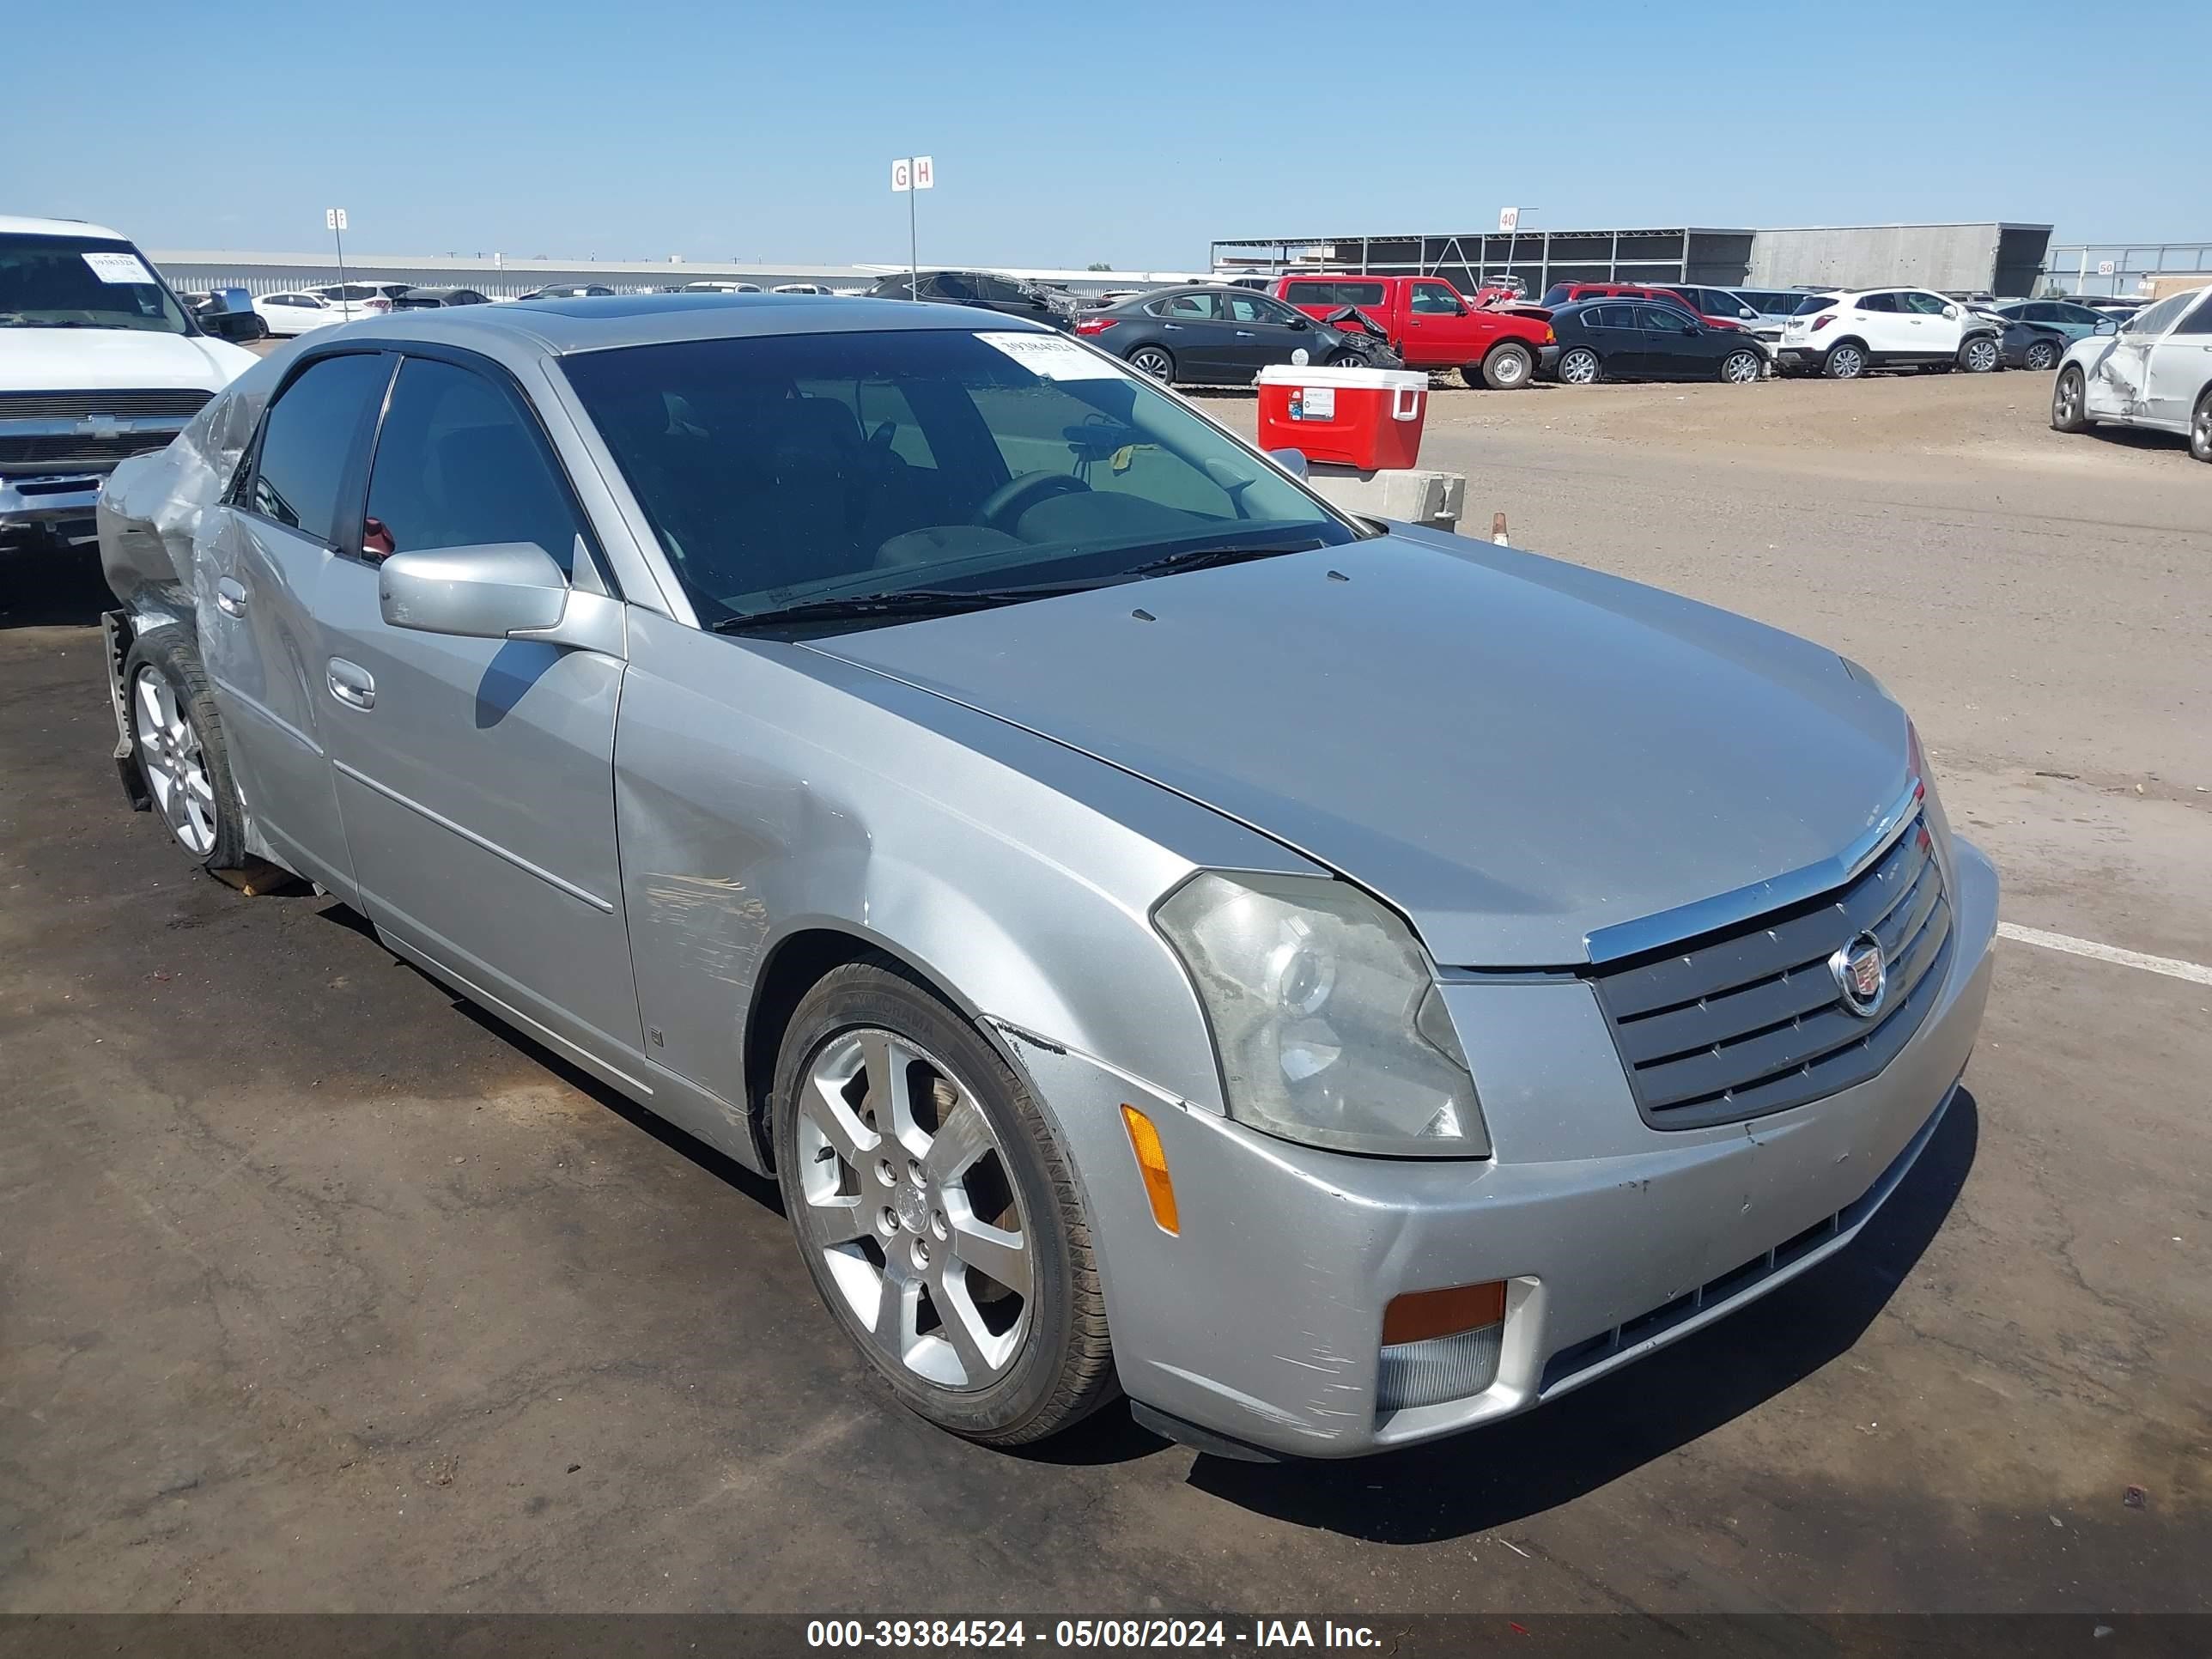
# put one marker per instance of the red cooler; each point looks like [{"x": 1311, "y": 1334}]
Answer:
[{"x": 1362, "y": 417}]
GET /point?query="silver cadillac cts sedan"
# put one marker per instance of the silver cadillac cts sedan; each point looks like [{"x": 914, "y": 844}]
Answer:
[{"x": 1337, "y": 983}]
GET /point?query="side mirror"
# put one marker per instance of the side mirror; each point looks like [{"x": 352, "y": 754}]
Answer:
[
  {"x": 1292, "y": 461},
  {"x": 1950, "y": 311},
  {"x": 493, "y": 591},
  {"x": 2108, "y": 326},
  {"x": 1689, "y": 329},
  {"x": 1300, "y": 322}
]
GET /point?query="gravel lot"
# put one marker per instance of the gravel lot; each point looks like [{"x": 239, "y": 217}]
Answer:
[{"x": 319, "y": 1290}]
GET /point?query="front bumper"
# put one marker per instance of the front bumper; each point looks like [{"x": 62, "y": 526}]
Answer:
[
  {"x": 61, "y": 503},
  {"x": 1262, "y": 1321},
  {"x": 1548, "y": 360}
]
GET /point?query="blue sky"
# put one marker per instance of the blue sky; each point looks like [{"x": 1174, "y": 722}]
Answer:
[{"x": 1133, "y": 132}]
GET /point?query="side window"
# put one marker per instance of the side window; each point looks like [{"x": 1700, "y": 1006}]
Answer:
[
  {"x": 1667, "y": 319},
  {"x": 1199, "y": 307},
  {"x": 1436, "y": 300},
  {"x": 307, "y": 439},
  {"x": 2198, "y": 321},
  {"x": 456, "y": 465},
  {"x": 1253, "y": 309},
  {"x": 2155, "y": 319},
  {"x": 1610, "y": 317},
  {"x": 1928, "y": 305},
  {"x": 1881, "y": 302}
]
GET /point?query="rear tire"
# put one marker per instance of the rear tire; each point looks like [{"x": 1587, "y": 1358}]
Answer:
[
  {"x": 2068, "y": 401},
  {"x": 1580, "y": 365},
  {"x": 2200, "y": 427},
  {"x": 177, "y": 744},
  {"x": 1980, "y": 355},
  {"x": 968, "y": 1198},
  {"x": 1154, "y": 363},
  {"x": 1846, "y": 360},
  {"x": 1507, "y": 369}
]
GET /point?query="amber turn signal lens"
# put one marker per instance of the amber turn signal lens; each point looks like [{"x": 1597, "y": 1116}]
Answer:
[
  {"x": 1153, "y": 1165},
  {"x": 1419, "y": 1315}
]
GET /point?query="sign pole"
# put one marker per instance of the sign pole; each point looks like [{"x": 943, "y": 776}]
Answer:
[
  {"x": 335, "y": 219},
  {"x": 913, "y": 247}
]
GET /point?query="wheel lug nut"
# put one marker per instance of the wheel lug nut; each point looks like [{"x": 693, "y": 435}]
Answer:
[
  {"x": 914, "y": 1172},
  {"x": 936, "y": 1224},
  {"x": 886, "y": 1222},
  {"x": 885, "y": 1173},
  {"x": 920, "y": 1252}
]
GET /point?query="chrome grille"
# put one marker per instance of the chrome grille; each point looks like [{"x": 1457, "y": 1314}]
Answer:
[
  {"x": 1749, "y": 1020},
  {"x": 63, "y": 454},
  {"x": 184, "y": 401}
]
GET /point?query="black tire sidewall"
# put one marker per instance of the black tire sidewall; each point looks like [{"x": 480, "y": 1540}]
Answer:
[
  {"x": 1489, "y": 373},
  {"x": 2200, "y": 443},
  {"x": 2081, "y": 399},
  {"x": 170, "y": 652},
  {"x": 875, "y": 994}
]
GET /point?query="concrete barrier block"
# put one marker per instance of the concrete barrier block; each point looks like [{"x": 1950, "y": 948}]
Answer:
[{"x": 1410, "y": 495}]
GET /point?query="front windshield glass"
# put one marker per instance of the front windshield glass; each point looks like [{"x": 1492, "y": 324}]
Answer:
[
  {"x": 82, "y": 282},
  {"x": 781, "y": 470}
]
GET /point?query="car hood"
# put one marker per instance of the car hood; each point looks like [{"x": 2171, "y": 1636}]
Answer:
[
  {"x": 1514, "y": 751},
  {"x": 115, "y": 359}
]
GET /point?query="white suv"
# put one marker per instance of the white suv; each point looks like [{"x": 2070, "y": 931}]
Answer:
[
  {"x": 1846, "y": 333},
  {"x": 2156, "y": 372}
]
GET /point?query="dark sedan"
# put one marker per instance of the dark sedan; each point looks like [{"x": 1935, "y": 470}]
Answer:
[
  {"x": 428, "y": 298},
  {"x": 2033, "y": 345},
  {"x": 1218, "y": 335},
  {"x": 978, "y": 288},
  {"x": 1647, "y": 340}
]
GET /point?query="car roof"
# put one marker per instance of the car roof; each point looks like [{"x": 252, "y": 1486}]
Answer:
[
  {"x": 525, "y": 329},
  {"x": 14, "y": 225}
]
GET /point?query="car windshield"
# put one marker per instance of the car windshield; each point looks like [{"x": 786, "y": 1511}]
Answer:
[
  {"x": 784, "y": 470},
  {"x": 82, "y": 282}
]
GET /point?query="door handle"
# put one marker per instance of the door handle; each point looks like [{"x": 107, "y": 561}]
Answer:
[
  {"x": 230, "y": 596},
  {"x": 352, "y": 685},
  {"x": 1246, "y": 334}
]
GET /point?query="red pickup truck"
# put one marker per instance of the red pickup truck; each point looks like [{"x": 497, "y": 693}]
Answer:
[{"x": 1432, "y": 325}]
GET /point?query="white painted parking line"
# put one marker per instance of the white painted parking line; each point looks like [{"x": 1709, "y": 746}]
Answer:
[{"x": 2195, "y": 972}]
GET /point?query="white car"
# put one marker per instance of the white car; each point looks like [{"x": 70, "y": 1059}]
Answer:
[
  {"x": 798, "y": 288},
  {"x": 719, "y": 288},
  {"x": 360, "y": 298},
  {"x": 2156, "y": 372},
  {"x": 99, "y": 362},
  {"x": 1859, "y": 329},
  {"x": 296, "y": 314}
]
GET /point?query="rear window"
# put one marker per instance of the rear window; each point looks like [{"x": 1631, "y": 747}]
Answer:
[
  {"x": 1558, "y": 294},
  {"x": 1813, "y": 302}
]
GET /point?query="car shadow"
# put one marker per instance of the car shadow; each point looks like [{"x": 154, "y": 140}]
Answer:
[
  {"x": 2137, "y": 437},
  {"x": 45, "y": 586},
  {"x": 1490, "y": 1477}
]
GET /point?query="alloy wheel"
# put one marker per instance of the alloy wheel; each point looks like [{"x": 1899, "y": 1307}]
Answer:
[
  {"x": 2066, "y": 401},
  {"x": 1846, "y": 362},
  {"x": 1146, "y": 360},
  {"x": 1981, "y": 356},
  {"x": 1740, "y": 368},
  {"x": 1578, "y": 367},
  {"x": 2041, "y": 355},
  {"x": 174, "y": 763},
  {"x": 910, "y": 1205},
  {"x": 2200, "y": 431},
  {"x": 1507, "y": 369}
]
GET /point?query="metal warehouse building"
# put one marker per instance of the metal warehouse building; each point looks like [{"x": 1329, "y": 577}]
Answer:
[{"x": 1994, "y": 257}]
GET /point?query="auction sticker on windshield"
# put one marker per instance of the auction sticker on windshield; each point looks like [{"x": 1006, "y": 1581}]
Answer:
[
  {"x": 1051, "y": 358},
  {"x": 118, "y": 268}
]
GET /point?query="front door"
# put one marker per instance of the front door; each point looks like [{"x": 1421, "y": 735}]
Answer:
[
  {"x": 1937, "y": 326},
  {"x": 1675, "y": 344},
  {"x": 2181, "y": 365},
  {"x": 1440, "y": 331},
  {"x": 477, "y": 776},
  {"x": 1263, "y": 330},
  {"x": 260, "y": 640},
  {"x": 2118, "y": 383}
]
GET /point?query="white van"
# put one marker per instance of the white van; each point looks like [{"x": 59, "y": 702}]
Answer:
[{"x": 98, "y": 361}]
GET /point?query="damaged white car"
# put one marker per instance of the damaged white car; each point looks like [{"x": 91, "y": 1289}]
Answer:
[{"x": 2156, "y": 372}]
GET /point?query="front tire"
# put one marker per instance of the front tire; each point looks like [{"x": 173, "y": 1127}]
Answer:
[
  {"x": 2200, "y": 428},
  {"x": 1979, "y": 355},
  {"x": 1740, "y": 367},
  {"x": 1507, "y": 369},
  {"x": 2069, "y": 399},
  {"x": 177, "y": 740},
  {"x": 2042, "y": 355},
  {"x": 936, "y": 1211},
  {"x": 1846, "y": 360},
  {"x": 1154, "y": 363},
  {"x": 1580, "y": 365}
]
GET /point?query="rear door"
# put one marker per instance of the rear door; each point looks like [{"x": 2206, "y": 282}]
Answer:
[
  {"x": 475, "y": 777},
  {"x": 258, "y": 637},
  {"x": 1612, "y": 330},
  {"x": 1879, "y": 320},
  {"x": 2181, "y": 365},
  {"x": 1196, "y": 331}
]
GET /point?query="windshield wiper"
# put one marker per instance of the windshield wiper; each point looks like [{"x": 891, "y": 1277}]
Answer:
[
  {"x": 1201, "y": 558},
  {"x": 912, "y": 602}
]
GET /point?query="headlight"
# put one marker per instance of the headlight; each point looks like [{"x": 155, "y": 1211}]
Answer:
[{"x": 1325, "y": 1015}]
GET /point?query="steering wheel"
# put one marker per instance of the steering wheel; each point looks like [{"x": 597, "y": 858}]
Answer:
[{"x": 1023, "y": 491}]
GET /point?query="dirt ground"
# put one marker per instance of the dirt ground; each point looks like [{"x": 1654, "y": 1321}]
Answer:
[{"x": 319, "y": 1290}]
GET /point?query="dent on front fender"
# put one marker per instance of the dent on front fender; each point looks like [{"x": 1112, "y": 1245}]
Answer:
[{"x": 764, "y": 789}]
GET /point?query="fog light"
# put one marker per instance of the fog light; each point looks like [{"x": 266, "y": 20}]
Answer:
[
  {"x": 1440, "y": 1345},
  {"x": 1153, "y": 1165}
]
